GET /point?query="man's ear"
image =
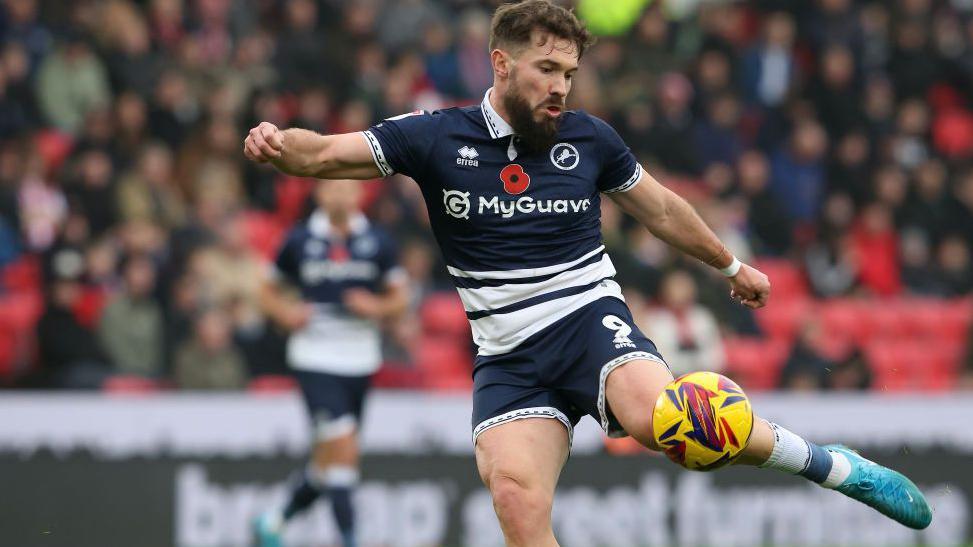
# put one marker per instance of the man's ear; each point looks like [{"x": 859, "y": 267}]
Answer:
[{"x": 502, "y": 63}]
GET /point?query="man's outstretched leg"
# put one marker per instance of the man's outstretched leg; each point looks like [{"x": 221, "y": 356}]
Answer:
[
  {"x": 332, "y": 473},
  {"x": 631, "y": 391},
  {"x": 520, "y": 461}
]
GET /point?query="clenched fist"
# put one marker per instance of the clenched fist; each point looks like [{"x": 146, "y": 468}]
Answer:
[
  {"x": 264, "y": 143},
  {"x": 750, "y": 287}
]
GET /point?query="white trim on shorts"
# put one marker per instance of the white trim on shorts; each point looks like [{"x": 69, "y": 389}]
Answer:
[
  {"x": 328, "y": 428},
  {"x": 523, "y": 413},
  {"x": 605, "y": 371}
]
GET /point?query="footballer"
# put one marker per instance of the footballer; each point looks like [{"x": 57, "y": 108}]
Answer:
[{"x": 513, "y": 187}]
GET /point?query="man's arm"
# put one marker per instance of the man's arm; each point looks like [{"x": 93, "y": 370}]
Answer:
[
  {"x": 674, "y": 221},
  {"x": 290, "y": 314},
  {"x": 304, "y": 153},
  {"x": 385, "y": 305}
]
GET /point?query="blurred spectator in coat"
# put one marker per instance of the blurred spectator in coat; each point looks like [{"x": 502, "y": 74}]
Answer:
[
  {"x": 876, "y": 248},
  {"x": 209, "y": 360},
  {"x": 131, "y": 328},
  {"x": 769, "y": 69},
  {"x": 71, "y": 82},
  {"x": 797, "y": 171},
  {"x": 953, "y": 262},
  {"x": 830, "y": 260},
  {"x": 685, "y": 332},
  {"x": 831, "y": 90},
  {"x": 70, "y": 354},
  {"x": 850, "y": 373},
  {"x": 806, "y": 369},
  {"x": 716, "y": 135},
  {"x": 148, "y": 191}
]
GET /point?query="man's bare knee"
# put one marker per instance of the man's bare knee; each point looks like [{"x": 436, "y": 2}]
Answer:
[{"x": 519, "y": 506}]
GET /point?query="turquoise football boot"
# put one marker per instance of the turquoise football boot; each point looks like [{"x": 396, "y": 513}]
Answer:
[
  {"x": 887, "y": 491},
  {"x": 267, "y": 530}
]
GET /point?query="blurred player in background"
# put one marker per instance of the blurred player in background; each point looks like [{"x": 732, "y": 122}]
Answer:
[
  {"x": 348, "y": 279},
  {"x": 513, "y": 188}
]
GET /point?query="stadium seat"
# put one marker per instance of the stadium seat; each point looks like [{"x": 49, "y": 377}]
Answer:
[
  {"x": 291, "y": 195},
  {"x": 753, "y": 362},
  {"x": 912, "y": 363},
  {"x": 22, "y": 275},
  {"x": 786, "y": 279},
  {"x": 131, "y": 385},
  {"x": 272, "y": 384},
  {"x": 889, "y": 319},
  {"x": 845, "y": 318},
  {"x": 782, "y": 319},
  {"x": 442, "y": 313},
  {"x": 54, "y": 147},
  {"x": 263, "y": 232},
  {"x": 20, "y": 311},
  {"x": 8, "y": 353},
  {"x": 445, "y": 364},
  {"x": 956, "y": 320},
  {"x": 397, "y": 376}
]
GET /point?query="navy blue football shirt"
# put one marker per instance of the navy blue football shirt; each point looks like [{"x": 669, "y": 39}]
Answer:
[
  {"x": 520, "y": 231},
  {"x": 323, "y": 267}
]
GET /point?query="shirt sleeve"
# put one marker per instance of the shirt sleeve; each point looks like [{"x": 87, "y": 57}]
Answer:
[
  {"x": 401, "y": 144},
  {"x": 287, "y": 263},
  {"x": 620, "y": 171},
  {"x": 388, "y": 262}
]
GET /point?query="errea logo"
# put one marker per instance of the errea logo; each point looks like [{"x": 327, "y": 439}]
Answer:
[{"x": 467, "y": 156}]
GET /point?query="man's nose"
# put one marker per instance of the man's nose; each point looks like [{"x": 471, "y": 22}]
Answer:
[{"x": 559, "y": 87}]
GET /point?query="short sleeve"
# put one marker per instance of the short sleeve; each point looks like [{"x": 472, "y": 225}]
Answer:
[
  {"x": 402, "y": 144},
  {"x": 287, "y": 263},
  {"x": 620, "y": 171},
  {"x": 388, "y": 261}
]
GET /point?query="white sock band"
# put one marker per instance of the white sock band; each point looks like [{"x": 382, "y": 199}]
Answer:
[
  {"x": 840, "y": 469},
  {"x": 791, "y": 453},
  {"x": 335, "y": 476}
]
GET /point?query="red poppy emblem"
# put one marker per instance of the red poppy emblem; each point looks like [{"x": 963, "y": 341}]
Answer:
[{"x": 515, "y": 181}]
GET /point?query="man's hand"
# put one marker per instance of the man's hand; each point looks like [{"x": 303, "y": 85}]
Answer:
[
  {"x": 295, "y": 316},
  {"x": 264, "y": 143},
  {"x": 750, "y": 286},
  {"x": 363, "y": 303}
]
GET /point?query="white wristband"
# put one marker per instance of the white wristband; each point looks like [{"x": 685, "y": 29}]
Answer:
[{"x": 733, "y": 268}]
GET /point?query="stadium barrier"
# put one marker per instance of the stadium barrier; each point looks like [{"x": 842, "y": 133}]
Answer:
[{"x": 192, "y": 470}]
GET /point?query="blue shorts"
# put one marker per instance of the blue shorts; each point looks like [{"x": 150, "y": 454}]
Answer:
[
  {"x": 334, "y": 402},
  {"x": 560, "y": 372}
]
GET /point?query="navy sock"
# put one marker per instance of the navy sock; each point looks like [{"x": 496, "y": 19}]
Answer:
[
  {"x": 344, "y": 512},
  {"x": 818, "y": 465},
  {"x": 302, "y": 496}
]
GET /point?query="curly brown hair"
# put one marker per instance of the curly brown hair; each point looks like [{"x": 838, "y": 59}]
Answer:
[{"x": 514, "y": 23}]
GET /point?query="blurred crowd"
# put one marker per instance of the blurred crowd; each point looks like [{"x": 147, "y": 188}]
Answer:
[{"x": 832, "y": 137}]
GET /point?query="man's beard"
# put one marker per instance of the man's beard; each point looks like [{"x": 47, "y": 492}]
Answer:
[{"x": 536, "y": 136}]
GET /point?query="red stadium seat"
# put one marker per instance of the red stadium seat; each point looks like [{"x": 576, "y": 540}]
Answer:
[
  {"x": 753, "y": 362},
  {"x": 445, "y": 364},
  {"x": 956, "y": 320},
  {"x": 272, "y": 384},
  {"x": 8, "y": 353},
  {"x": 787, "y": 280},
  {"x": 131, "y": 385},
  {"x": 395, "y": 375},
  {"x": 264, "y": 234},
  {"x": 20, "y": 311},
  {"x": 443, "y": 314},
  {"x": 912, "y": 363},
  {"x": 291, "y": 194},
  {"x": 782, "y": 319},
  {"x": 845, "y": 318},
  {"x": 23, "y": 275}
]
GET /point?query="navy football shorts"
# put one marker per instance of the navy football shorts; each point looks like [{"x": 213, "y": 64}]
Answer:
[
  {"x": 560, "y": 372},
  {"x": 334, "y": 402}
]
